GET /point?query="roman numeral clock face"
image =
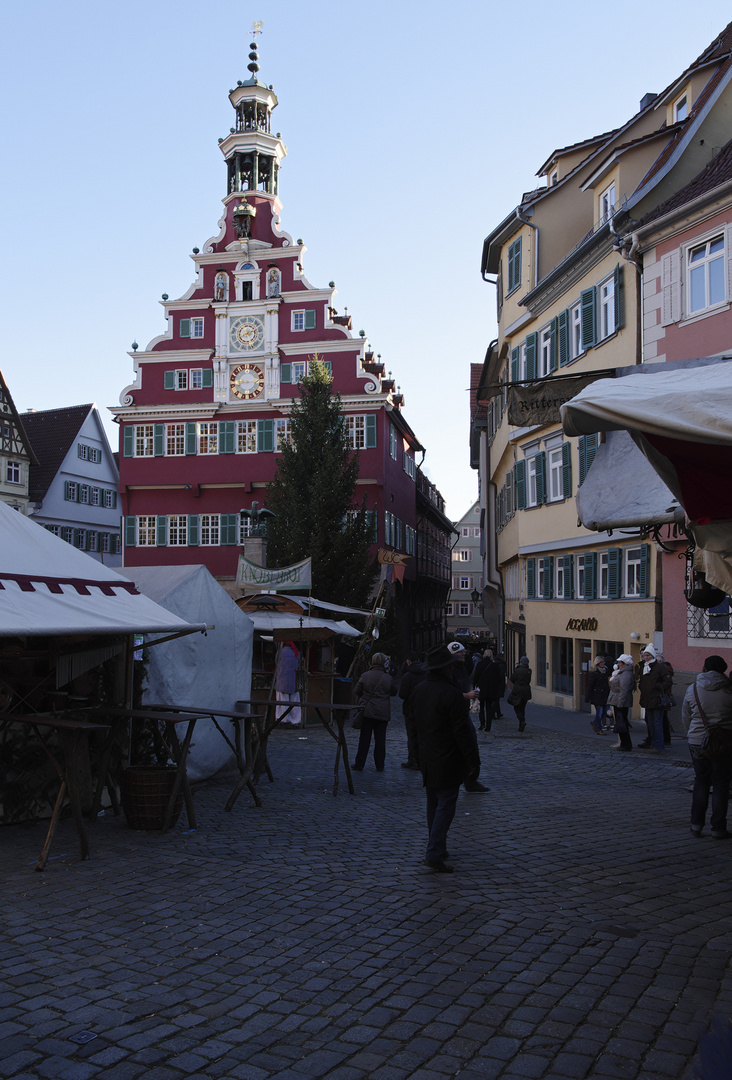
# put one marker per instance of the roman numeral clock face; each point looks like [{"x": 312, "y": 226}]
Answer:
[
  {"x": 246, "y": 334},
  {"x": 246, "y": 381}
]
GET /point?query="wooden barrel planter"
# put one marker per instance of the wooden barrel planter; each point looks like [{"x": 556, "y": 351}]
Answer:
[{"x": 145, "y": 792}]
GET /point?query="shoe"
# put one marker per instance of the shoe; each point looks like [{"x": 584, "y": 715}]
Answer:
[
  {"x": 481, "y": 727},
  {"x": 379, "y": 769},
  {"x": 410, "y": 765},
  {"x": 356, "y": 768},
  {"x": 643, "y": 745},
  {"x": 696, "y": 830},
  {"x": 475, "y": 785},
  {"x": 440, "y": 867},
  {"x": 720, "y": 834},
  {"x": 522, "y": 726},
  {"x": 596, "y": 729}
]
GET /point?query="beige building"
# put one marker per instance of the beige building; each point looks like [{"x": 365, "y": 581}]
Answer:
[{"x": 569, "y": 299}]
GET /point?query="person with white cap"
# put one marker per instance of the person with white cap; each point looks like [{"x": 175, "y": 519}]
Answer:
[
  {"x": 622, "y": 685},
  {"x": 654, "y": 683}
]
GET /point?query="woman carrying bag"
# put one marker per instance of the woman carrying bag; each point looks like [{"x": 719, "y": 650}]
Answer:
[
  {"x": 376, "y": 687},
  {"x": 622, "y": 685}
]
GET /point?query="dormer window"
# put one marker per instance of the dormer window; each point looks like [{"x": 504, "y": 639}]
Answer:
[
  {"x": 607, "y": 203},
  {"x": 554, "y": 178},
  {"x": 681, "y": 108}
]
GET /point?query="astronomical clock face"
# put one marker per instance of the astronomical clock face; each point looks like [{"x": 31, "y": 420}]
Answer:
[
  {"x": 246, "y": 334},
  {"x": 246, "y": 381}
]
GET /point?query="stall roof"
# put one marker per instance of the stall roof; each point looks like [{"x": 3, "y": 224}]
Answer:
[
  {"x": 270, "y": 621},
  {"x": 48, "y": 587}
]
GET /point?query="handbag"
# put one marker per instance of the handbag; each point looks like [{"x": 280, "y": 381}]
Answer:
[
  {"x": 718, "y": 741},
  {"x": 666, "y": 700}
]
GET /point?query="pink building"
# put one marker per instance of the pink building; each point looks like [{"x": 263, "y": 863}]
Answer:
[
  {"x": 686, "y": 249},
  {"x": 201, "y": 425}
]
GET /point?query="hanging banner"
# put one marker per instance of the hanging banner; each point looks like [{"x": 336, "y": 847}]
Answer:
[
  {"x": 540, "y": 402},
  {"x": 253, "y": 578},
  {"x": 386, "y": 555}
]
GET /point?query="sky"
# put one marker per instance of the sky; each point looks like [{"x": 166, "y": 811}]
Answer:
[{"x": 412, "y": 130}]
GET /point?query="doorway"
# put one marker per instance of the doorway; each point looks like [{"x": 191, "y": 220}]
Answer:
[{"x": 585, "y": 667}]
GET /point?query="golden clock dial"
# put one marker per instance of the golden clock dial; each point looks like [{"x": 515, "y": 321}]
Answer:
[{"x": 246, "y": 381}]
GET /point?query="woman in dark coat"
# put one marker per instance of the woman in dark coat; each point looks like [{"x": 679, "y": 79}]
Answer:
[
  {"x": 490, "y": 678},
  {"x": 597, "y": 692},
  {"x": 376, "y": 687},
  {"x": 520, "y": 690},
  {"x": 622, "y": 685}
]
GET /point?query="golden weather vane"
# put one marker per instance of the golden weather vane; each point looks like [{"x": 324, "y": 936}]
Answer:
[{"x": 257, "y": 26}]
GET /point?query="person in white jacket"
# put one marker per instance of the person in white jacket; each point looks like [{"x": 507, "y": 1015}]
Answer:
[{"x": 713, "y": 692}]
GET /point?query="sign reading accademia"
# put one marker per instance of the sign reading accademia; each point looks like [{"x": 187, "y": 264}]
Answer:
[{"x": 254, "y": 578}]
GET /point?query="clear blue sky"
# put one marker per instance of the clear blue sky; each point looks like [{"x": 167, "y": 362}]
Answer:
[{"x": 412, "y": 130}]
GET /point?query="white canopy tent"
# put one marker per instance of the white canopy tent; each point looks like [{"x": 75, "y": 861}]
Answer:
[
  {"x": 680, "y": 417},
  {"x": 49, "y": 588}
]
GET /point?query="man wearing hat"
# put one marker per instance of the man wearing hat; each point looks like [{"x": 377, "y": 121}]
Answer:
[
  {"x": 448, "y": 750},
  {"x": 654, "y": 683}
]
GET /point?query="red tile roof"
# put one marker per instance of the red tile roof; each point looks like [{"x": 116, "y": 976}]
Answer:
[{"x": 716, "y": 172}]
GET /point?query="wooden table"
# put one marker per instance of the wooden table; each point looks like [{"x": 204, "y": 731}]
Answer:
[
  {"x": 170, "y": 716},
  {"x": 268, "y": 720},
  {"x": 73, "y": 734}
]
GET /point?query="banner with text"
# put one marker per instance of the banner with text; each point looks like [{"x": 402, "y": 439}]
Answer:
[
  {"x": 253, "y": 578},
  {"x": 539, "y": 402}
]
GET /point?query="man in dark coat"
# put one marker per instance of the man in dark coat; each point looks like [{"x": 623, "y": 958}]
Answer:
[
  {"x": 414, "y": 674},
  {"x": 448, "y": 750}
]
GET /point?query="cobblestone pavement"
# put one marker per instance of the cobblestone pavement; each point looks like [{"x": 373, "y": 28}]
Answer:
[{"x": 583, "y": 934}]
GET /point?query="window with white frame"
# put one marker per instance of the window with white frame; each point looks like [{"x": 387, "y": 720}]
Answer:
[
  {"x": 246, "y": 436},
  {"x": 393, "y": 440},
  {"x": 196, "y": 378},
  {"x": 209, "y": 532},
  {"x": 555, "y": 469},
  {"x": 706, "y": 274},
  {"x": 191, "y": 328},
  {"x": 541, "y": 578},
  {"x": 180, "y": 379},
  {"x": 633, "y": 585},
  {"x": 580, "y": 585},
  {"x": 607, "y": 203},
  {"x": 532, "y": 493},
  {"x": 178, "y": 530},
  {"x": 545, "y": 351},
  {"x": 109, "y": 499},
  {"x": 561, "y": 585},
  {"x": 71, "y": 491},
  {"x": 89, "y": 453},
  {"x": 450, "y": 609},
  {"x": 13, "y": 472},
  {"x": 55, "y": 530},
  {"x": 465, "y": 609},
  {"x": 356, "y": 428},
  {"x": 146, "y": 525},
  {"x": 298, "y": 370},
  {"x": 465, "y": 531},
  {"x": 303, "y": 320},
  {"x": 208, "y": 438},
  {"x": 575, "y": 331},
  {"x": 175, "y": 439},
  {"x": 463, "y": 555},
  {"x": 81, "y": 539},
  {"x": 95, "y": 496},
  {"x": 603, "y": 590},
  {"x": 681, "y": 107},
  {"x": 608, "y": 319},
  {"x": 104, "y": 544},
  {"x": 465, "y": 582},
  {"x": 144, "y": 440},
  {"x": 282, "y": 433},
  {"x": 84, "y": 493},
  {"x": 67, "y": 534}
]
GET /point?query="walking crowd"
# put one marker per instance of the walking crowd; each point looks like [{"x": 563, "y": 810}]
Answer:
[{"x": 442, "y": 693}]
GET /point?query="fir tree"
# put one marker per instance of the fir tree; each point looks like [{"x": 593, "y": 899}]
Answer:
[{"x": 313, "y": 498}]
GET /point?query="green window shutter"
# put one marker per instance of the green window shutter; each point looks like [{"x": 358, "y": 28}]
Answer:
[
  {"x": 591, "y": 575},
  {"x": 589, "y": 323},
  {"x": 568, "y": 577},
  {"x": 114, "y": 500},
  {"x": 515, "y": 354},
  {"x": 285, "y": 373},
  {"x": 548, "y": 590},
  {"x": 130, "y": 531},
  {"x": 78, "y": 449},
  {"x": 614, "y": 576},
  {"x": 563, "y": 338},
  {"x": 328, "y": 365},
  {"x": 185, "y": 328},
  {"x": 67, "y": 486},
  {"x": 192, "y": 530},
  {"x": 587, "y": 449},
  {"x": 161, "y": 530},
  {"x": 645, "y": 570},
  {"x": 370, "y": 432},
  {"x": 582, "y": 451},
  {"x": 159, "y": 440},
  {"x": 169, "y": 380},
  {"x": 521, "y": 485},
  {"x": 553, "y": 349},
  {"x": 540, "y": 459},
  {"x": 191, "y": 438},
  {"x": 619, "y": 298},
  {"x": 514, "y": 265},
  {"x": 229, "y": 528},
  {"x": 531, "y": 579},
  {"x": 207, "y": 378},
  {"x": 310, "y": 320},
  {"x": 227, "y": 435},
  {"x": 567, "y": 470},
  {"x": 265, "y": 436},
  {"x": 531, "y": 347},
  {"x": 128, "y": 441}
]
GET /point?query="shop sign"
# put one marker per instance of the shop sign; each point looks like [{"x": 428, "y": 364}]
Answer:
[
  {"x": 582, "y": 624},
  {"x": 540, "y": 402}
]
